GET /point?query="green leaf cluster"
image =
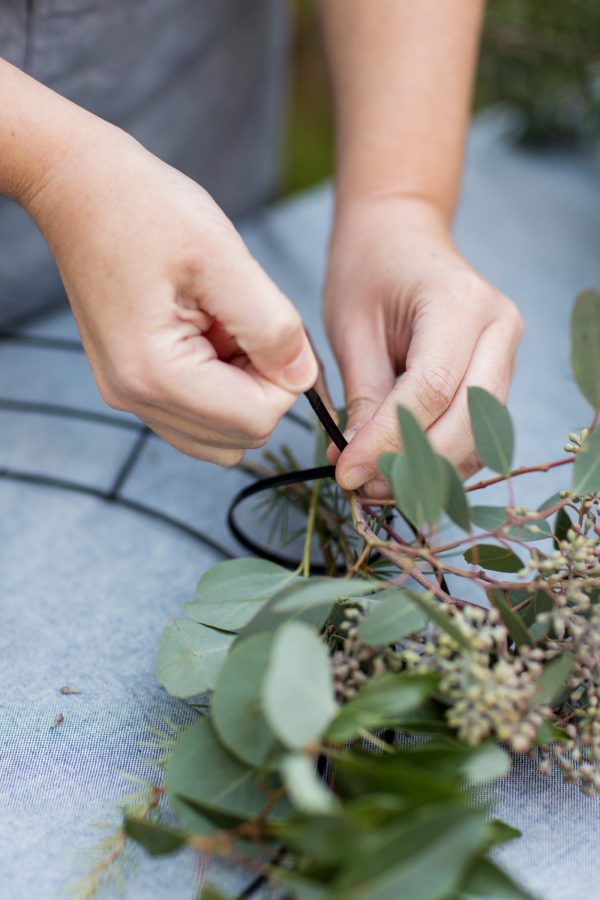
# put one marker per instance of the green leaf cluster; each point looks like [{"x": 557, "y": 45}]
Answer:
[{"x": 385, "y": 822}]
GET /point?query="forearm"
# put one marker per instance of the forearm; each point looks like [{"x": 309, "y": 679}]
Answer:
[
  {"x": 402, "y": 74},
  {"x": 39, "y": 131}
]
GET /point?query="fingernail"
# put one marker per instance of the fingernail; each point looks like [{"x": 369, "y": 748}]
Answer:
[
  {"x": 300, "y": 374},
  {"x": 356, "y": 477}
]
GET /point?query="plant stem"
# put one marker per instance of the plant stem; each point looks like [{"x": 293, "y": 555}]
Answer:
[
  {"x": 310, "y": 527},
  {"x": 524, "y": 470}
]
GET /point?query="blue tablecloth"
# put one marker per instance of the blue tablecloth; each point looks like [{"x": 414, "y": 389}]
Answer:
[{"x": 87, "y": 585}]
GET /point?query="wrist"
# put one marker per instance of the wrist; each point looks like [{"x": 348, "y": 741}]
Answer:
[
  {"x": 394, "y": 210},
  {"x": 42, "y": 137}
]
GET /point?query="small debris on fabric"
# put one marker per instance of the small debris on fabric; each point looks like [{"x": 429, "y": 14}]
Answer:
[
  {"x": 68, "y": 689},
  {"x": 58, "y": 721}
]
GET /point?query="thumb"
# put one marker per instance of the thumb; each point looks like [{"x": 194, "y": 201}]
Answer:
[{"x": 264, "y": 323}]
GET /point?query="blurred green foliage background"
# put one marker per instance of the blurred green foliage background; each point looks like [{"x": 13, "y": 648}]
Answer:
[{"x": 541, "y": 56}]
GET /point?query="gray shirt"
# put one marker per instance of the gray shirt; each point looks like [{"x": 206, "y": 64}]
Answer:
[{"x": 198, "y": 82}]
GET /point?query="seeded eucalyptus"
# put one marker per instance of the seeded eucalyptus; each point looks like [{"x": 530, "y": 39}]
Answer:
[{"x": 349, "y": 714}]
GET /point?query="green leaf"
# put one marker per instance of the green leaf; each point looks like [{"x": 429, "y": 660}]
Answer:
[
  {"x": 586, "y": 471},
  {"x": 455, "y": 504},
  {"x": 417, "y": 476},
  {"x": 491, "y": 518},
  {"x": 493, "y": 557},
  {"x": 562, "y": 524},
  {"x": 514, "y": 623},
  {"x": 585, "y": 345},
  {"x": 383, "y": 701},
  {"x": 203, "y": 774},
  {"x": 423, "y": 862},
  {"x": 492, "y": 429},
  {"x": 232, "y": 592},
  {"x": 485, "y": 763},
  {"x": 548, "y": 733},
  {"x": 189, "y": 657},
  {"x": 449, "y": 758},
  {"x": 156, "y": 838},
  {"x": 437, "y": 613},
  {"x": 298, "y": 696},
  {"x": 392, "y": 618},
  {"x": 309, "y": 601},
  {"x": 552, "y": 681},
  {"x": 486, "y": 879},
  {"x": 236, "y": 702},
  {"x": 539, "y": 602},
  {"x": 361, "y": 774},
  {"x": 499, "y": 832},
  {"x": 305, "y": 789}
]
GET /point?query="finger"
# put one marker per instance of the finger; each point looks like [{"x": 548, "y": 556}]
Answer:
[
  {"x": 439, "y": 354},
  {"x": 491, "y": 367},
  {"x": 194, "y": 385},
  {"x": 222, "y": 456},
  {"x": 261, "y": 319},
  {"x": 156, "y": 418},
  {"x": 366, "y": 367}
]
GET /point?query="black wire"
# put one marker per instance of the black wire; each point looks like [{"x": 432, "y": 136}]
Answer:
[
  {"x": 113, "y": 495},
  {"x": 68, "y": 412},
  {"x": 134, "y": 505}
]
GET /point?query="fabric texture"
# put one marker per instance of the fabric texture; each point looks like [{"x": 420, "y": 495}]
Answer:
[
  {"x": 88, "y": 585},
  {"x": 198, "y": 82}
]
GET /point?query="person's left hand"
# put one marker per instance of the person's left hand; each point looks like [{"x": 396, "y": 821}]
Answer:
[{"x": 400, "y": 300}]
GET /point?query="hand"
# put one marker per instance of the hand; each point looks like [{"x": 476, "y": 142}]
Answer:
[
  {"x": 401, "y": 301},
  {"x": 181, "y": 325}
]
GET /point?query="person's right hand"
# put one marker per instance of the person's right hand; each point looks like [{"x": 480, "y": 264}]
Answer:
[{"x": 181, "y": 325}]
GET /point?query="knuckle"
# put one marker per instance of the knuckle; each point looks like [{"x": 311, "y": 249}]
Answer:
[
  {"x": 437, "y": 388},
  {"x": 261, "y": 427},
  {"x": 283, "y": 329},
  {"x": 513, "y": 316},
  {"x": 231, "y": 458},
  {"x": 111, "y": 396},
  {"x": 467, "y": 285},
  {"x": 134, "y": 378},
  {"x": 469, "y": 465}
]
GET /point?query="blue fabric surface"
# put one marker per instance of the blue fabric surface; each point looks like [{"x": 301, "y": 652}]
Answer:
[{"x": 87, "y": 586}]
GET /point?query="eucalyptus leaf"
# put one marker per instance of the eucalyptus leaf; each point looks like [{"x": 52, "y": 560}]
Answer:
[
  {"x": 586, "y": 471},
  {"x": 156, "y": 838},
  {"x": 236, "y": 702},
  {"x": 232, "y": 592},
  {"x": 585, "y": 346},
  {"x": 492, "y": 430},
  {"x": 204, "y": 774},
  {"x": 391, "y": 618},
  {"x": 553, "y": 679},
  {"x": 309, "y": 600},
  {"x": 189, "y": 657},
  {"x": 491, "y": 518},
  {"x": 513, "y": 622},
  {"x": 383, "y": 701},
  {"x": 493, "y": 557},
  {"x": 486, "y": 763},
  {"x": 305, "y": 789},
  {"x": 426, "y": 862},
  {"x": 562, "y": 524},
  {"x": 360, "y": 773},
  {"x": 449, "y": 757},
  {"x": 455, "y": 503},
  {"x": 298, "y": 696},
  {"x": 439, "y": 616},
  {"x": 486, "y": 879},
  {"x": 548, "y": 733}
]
